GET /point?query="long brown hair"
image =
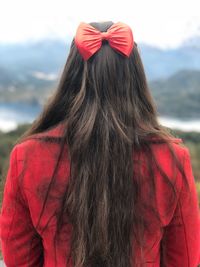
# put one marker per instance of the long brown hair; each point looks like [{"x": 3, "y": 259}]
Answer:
[{"x": 109, "y": 117}]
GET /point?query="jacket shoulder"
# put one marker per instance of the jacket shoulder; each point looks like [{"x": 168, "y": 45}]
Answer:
[
  {"x": 181, "y": 150},
  {"x": 176, "y": 144},
  {"x": 37, "y": 141}
]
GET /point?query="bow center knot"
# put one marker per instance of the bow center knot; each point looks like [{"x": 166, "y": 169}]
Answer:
[{"x": 105, "y": 35}]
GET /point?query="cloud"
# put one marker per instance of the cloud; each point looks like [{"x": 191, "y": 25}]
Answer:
[
  {"x": 45, "y": 76},
  {"x": 158, "y": 22}
]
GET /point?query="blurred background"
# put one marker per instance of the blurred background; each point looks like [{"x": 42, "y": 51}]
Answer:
[{"x": 34, "y": 42}]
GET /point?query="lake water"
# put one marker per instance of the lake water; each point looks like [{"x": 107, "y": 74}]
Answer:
[
  {"x": 13, "y": 114},
  {"x": 183, "y": 125}
]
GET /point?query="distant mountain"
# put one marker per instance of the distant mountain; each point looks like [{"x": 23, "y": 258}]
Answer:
[
  {"x": 30, "y": 71},
  {"x": 26, "y": 68},
  {"x": 192, "y": 42},
  {"x": 179, "y": 95},
  {"x": 46, "y": 55},
  {"x": 162, "y": 63},
  {"x": 49, "y": 56}
]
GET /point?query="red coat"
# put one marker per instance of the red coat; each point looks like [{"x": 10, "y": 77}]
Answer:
[{"x": 23, "y": 246}]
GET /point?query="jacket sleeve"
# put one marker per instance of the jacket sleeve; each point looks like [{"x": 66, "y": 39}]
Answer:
[
  {"x": 181, "y": 239},
  {"x": 20, "y": 243}
]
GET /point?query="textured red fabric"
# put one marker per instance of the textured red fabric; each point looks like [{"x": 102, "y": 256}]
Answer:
[
  {"x": 25, "y": 243},
  {"x": 89, "y": 40}
]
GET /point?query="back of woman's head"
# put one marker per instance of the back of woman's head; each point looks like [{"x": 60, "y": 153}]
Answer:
[
  {"x": 110, "y": 85},
  {"x": 109, "y": 116}
]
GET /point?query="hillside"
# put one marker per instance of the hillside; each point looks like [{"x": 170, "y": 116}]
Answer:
[
  {"x": 30, "y": 71},
  {"x": 178, "y": 95}
]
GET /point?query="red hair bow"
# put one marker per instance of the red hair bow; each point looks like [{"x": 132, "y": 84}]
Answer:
[{"x": 89, "y": 40}]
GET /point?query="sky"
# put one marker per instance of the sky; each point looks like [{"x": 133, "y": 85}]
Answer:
[{"x": 162, "y": 23}]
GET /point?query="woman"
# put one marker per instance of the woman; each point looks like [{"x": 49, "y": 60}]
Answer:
[{"x": 96, "y": 181}]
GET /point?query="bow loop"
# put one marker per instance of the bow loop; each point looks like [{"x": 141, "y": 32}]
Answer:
[{"x": 89, "y": 40}]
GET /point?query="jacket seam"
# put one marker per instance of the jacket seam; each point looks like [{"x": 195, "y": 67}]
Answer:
[
  {"x": 13, "y": 172},
  {"x": 23, "y": 199},
  {"x": 184, "y": 228}
]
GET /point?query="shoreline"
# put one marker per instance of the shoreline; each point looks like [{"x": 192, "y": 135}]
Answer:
[{"x": 192, "y": 125}]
